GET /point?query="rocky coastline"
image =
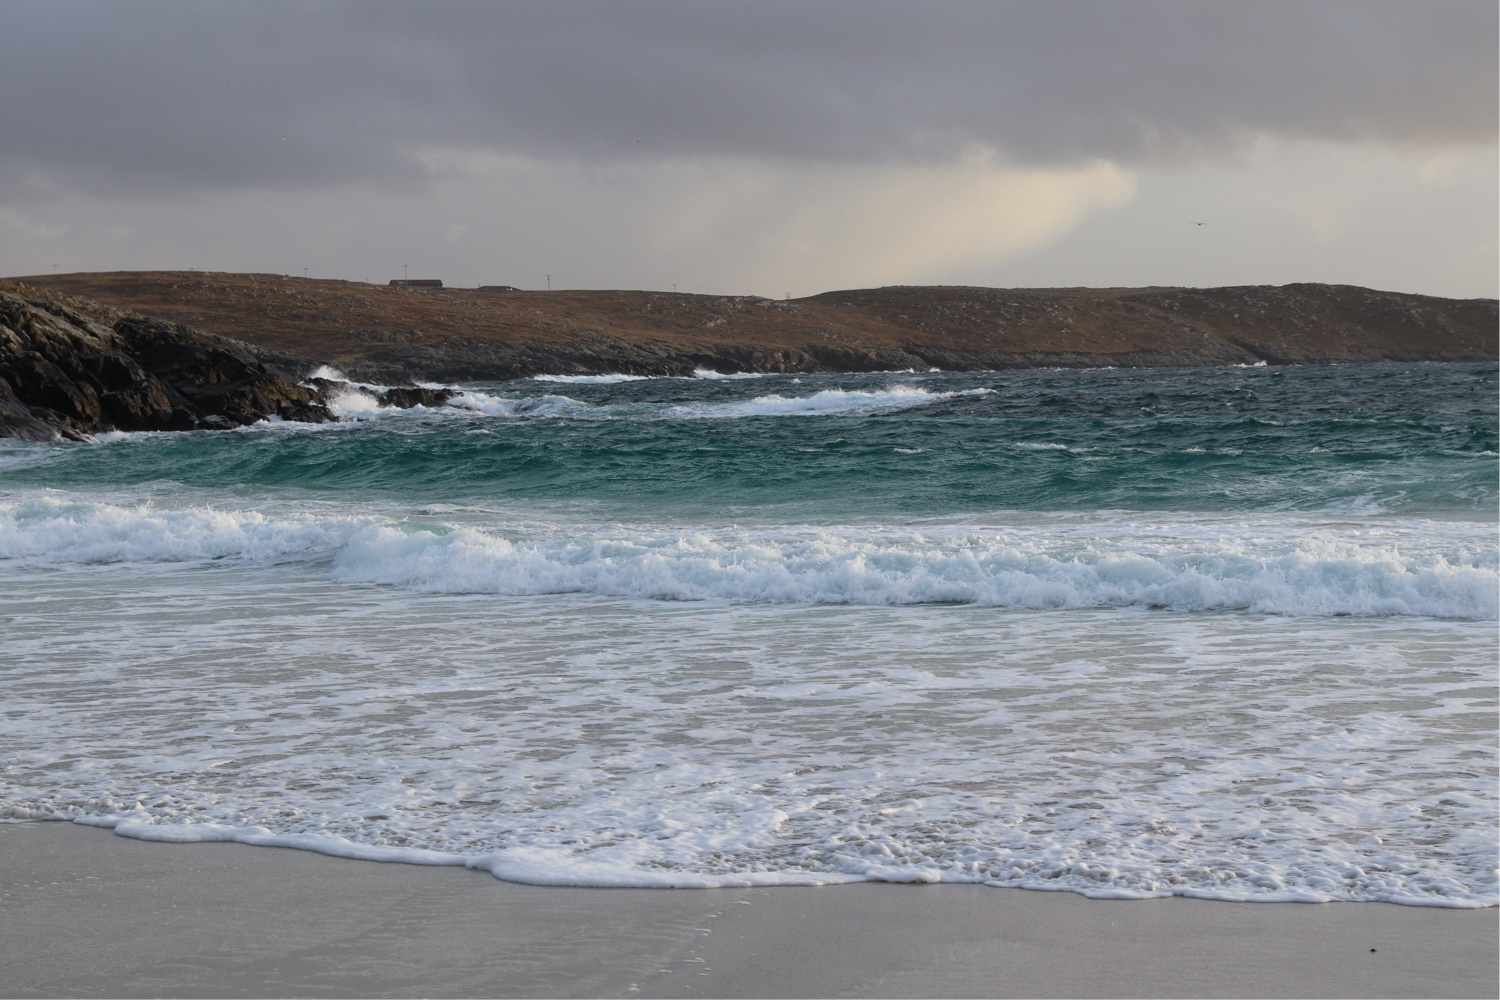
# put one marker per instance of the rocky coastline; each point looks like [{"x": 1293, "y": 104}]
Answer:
[
  {"x": 85, "y": 353},
  {"x": 389, "y": 335},
  {"x": 67, "y": 375}
]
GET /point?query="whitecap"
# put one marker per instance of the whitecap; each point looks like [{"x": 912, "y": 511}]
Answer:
[
  {"x": 711, "y": 375},
  {"x": 828, "y": 402},
  {"x": 590, "y": 379},
  {"x": 1267, "y": 565},
  {"x": 492, "y": 405}
]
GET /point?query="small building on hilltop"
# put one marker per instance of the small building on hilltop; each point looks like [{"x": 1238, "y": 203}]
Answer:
[{"x": 418, "y": 282}]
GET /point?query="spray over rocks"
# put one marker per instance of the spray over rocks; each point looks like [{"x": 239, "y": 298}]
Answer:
[{"x": 67, "y": 373}]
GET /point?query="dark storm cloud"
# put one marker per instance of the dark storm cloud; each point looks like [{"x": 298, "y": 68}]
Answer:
[{"x": 131, "y": 96}]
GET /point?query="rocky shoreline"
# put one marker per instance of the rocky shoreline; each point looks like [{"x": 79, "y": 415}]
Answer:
[
  {"x": 64, "y": 374},
  {"x": 85, "y": 353}
]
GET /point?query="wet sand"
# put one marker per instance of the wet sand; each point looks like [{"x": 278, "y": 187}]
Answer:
[{"x": 86, "y": 913}]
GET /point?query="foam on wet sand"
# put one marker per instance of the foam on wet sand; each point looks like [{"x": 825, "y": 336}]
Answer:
[{"x": 87, "y": 913}]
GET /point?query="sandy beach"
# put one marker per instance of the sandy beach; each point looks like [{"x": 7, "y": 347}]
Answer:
[{"x": 86, "y": 913}]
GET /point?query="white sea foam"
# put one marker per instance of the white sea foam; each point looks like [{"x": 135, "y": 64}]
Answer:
[
  {"x": 590, "y": 379},
  {"x": 56, "y": 530},
  {"x": 357, "y": 400},
  {"x": 708, "y": 373},
  {"x": 1021, "y": 699},
  {"x": 494, "y": 405},
  {"x": 329, "y": 373},
  {"x": 1307, "y": 576},
  {"x": 355, "y": 403},
  {"x": 1270, "y": 565},
  {"x": 827, "y": 402},
  {"x": 1112, "y": 754}
]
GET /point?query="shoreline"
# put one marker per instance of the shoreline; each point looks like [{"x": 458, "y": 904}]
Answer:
[
  {"x": 84, "y": 912},
  {"x": 397, "y": 335},
  {"x": 71, "y": 368}
]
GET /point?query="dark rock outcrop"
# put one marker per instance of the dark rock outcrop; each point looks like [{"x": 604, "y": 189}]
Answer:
[
  {"x": 409, "y": 396},
  {"x": 66, "y": 375},
  {"x": 17, "y": 420},
  {"x": 217, "y": 377}
]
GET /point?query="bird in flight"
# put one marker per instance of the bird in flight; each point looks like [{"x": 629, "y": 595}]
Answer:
[{"x": 1200, "y": 223}]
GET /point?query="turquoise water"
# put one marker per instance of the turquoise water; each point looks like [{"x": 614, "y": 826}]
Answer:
[
  {"x": 1417, "y": 439},
  {"x": 1225, "y": 633}
]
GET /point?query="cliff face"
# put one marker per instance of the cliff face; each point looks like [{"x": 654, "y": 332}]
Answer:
[{"x": 387, "y": 334}]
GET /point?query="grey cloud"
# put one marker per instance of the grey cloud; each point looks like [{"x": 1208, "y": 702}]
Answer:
[{"x": 171, "y": 96}]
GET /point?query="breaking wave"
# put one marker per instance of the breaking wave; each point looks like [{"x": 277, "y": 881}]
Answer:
[
  {"x": 590, "y": 379},
  {"x": 1267, "y": 565}
]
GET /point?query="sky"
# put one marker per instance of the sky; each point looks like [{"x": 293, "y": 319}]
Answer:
[{"x": 767, "y": 148}]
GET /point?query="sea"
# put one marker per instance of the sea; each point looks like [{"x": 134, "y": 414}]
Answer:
[{"x": 1226, "y": 633}]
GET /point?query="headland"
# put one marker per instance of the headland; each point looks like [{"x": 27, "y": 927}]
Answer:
[
  {"x": 456, "y": 333},
  {"x": 204, "y": 350}
]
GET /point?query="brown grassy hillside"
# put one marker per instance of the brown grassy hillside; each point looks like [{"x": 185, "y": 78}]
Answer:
[{"x": 450, "y": 333}]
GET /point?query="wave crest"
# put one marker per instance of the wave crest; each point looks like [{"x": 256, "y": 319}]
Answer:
[{"x": 1275, "y": 566}]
